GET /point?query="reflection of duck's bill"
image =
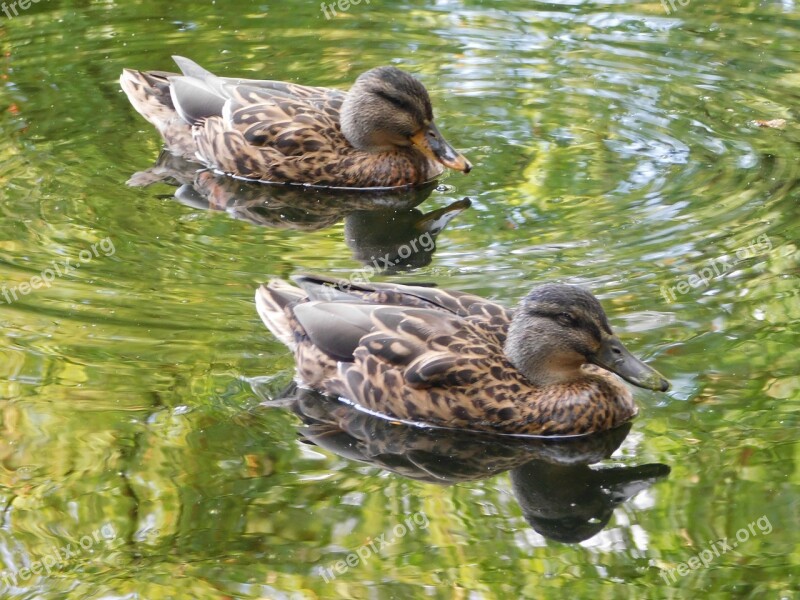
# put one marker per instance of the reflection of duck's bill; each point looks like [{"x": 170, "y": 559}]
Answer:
[
  {"x": 615, "y": 357},
  {"x": 433, "y": 145},
  {"x": 436, "y": 220}
]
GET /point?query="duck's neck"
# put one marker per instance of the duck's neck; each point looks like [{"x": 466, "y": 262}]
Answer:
[
  {"x": 542, "y": 368},
  {"x": 360, "y": 123},
  {"x": 361, "y": 139},
  {"x": 541, "y": 362}
]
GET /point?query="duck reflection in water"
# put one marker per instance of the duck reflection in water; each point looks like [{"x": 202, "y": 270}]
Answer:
[
  {"x": 561, "y": 497},
  {"x": 383, "y": 227}
]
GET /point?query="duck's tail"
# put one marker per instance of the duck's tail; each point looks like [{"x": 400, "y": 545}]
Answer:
[
  {"x": 274, "y": 302},
  {"x": 149, "y": 93}
]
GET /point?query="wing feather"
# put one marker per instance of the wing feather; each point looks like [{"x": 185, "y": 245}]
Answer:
[{"x": 336, "y": 328}]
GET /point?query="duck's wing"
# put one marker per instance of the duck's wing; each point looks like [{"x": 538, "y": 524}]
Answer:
[
  {"x": 292, "y": 126},
  {"x": 336, "y": 313},
  {"x": 377, "y": 344},
  {"x": 336, "y": 328},
  {"x": 224, "y": 85},
  {"x": 269, "y": 130},
  {"x": 198, "y": 94},
  {"x": 412, "y": 296}
]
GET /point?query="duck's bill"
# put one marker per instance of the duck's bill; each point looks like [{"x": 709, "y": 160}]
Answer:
[
  {"x": 432, "y": 143},
  {"x": 615, "y": 357}
]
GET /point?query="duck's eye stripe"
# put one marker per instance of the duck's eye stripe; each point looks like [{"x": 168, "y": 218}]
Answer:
[
  {"x": 592, "y": 327},
  {"x": 544, "y": 314},
  {"x": 568, "y": 321},
  {"x": 398, "y": 102}
]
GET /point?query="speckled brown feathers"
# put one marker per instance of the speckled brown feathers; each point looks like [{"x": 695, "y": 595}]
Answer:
[
  {"x": 432, "y": 455},
  {"x": 429, "y": 355},
  {"x": 283, "y": 132},
  {"x": 149, "y": 94}
]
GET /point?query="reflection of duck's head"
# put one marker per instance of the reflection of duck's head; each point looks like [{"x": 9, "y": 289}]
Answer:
[
  {"x": 396, "y": 240},
  {"x": 570, "y": 504}
]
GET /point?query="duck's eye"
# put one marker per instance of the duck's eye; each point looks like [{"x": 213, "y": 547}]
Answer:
[{"x": 566, "y": 319}]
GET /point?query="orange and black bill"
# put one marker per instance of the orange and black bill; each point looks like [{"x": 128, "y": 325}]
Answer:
[{"x": 432, "y": 143}]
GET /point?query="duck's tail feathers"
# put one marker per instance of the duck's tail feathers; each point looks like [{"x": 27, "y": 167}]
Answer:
[
  {"x": 149, "y": 93},
  {"x": 274, "y": 302},
  {"x": 191, "y": 69}
]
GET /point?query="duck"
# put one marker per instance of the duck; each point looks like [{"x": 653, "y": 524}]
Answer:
[
  {"x": 380, "y": 133},
  {"x": 419, "y": 354}
]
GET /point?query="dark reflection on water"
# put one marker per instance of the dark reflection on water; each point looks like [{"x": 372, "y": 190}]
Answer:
[
  {"x": 561, "y": 497},
  {"x": 574, "y": 503},
  {"x": 383, "y": 227}
]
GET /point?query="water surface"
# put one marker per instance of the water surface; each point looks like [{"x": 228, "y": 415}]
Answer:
[{"x": 652, "y": 157}]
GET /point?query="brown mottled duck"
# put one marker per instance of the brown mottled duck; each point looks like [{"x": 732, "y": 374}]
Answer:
[
  {"x": 457, "y": 360},
  {"x": 380, "y": 133}
]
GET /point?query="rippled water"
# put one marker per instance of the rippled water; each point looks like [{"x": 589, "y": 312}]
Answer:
[{"x": 652, "y": 157}]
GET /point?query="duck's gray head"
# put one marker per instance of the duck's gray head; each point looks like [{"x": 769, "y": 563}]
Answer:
[{"x": 558, "y": 328}]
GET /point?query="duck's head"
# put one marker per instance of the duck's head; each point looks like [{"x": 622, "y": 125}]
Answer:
[
  {"x": 558, "y": 328},
  {"x": 387, "y": 108}
]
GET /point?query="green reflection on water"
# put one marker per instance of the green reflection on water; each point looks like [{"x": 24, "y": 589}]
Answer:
[{"x": 614, "y": 146}]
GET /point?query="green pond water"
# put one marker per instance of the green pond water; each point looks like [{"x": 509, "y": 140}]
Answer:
[{"x": 648, "y": 151}]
